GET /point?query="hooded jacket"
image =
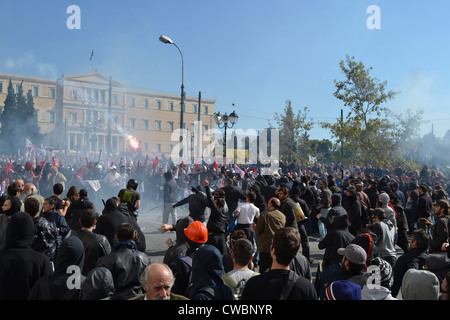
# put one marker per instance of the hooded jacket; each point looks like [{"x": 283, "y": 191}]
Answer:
[
  {"x": 5, "y": 217},
  {"x": 354, "y": 211},
  {"x": 207, "y": 271},
  {"x": 420, "y": 285},
  {"x": 54, "y": 287},
  {"x": 20, "y": 266},
  {"x": 110, "y": 219},
  {"x": 390, "y": 214},
  {"x": 260, "y": 201},
  {"x": 126, "y": 264},
  {"x": 179, "y": 248},
  {"x": 98, "y": 285},
  {"x": 337, "y": 237},
  {"x": 336, "y": 210}
]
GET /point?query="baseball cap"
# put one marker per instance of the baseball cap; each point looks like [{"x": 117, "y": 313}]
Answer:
[{"x": 354, "y": 253}]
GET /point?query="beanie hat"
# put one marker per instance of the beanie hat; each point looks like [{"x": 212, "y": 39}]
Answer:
[{"x": 343, "y": 290}]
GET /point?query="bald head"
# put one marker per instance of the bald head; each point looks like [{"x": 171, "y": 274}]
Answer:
[
  {"x": 157, "y": 282},
  {"x": 20, "y": 184},
  {"x": 274, "y": 203}
]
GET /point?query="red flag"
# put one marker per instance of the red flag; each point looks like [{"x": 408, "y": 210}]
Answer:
[
  {"x": 197, "y": 167},
  {"x": 155, "y": 162},
  {"x": 182, "y": 164},
  {"x": 36, "y": 162},
  {"x": 216, "y": 166},
  {"x": 54, "y": 162},
  {"x": 79, "y": 175},
  {"x": 43, "y": 163},
  {"x": 8, "y": 167},
  {"x": 88, "y": 164}
]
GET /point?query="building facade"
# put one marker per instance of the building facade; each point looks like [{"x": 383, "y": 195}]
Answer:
[{"x": 92, "y": 112}]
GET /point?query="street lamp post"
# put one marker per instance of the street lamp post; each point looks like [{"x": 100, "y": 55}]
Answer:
[
  {"x": 225, "y": 121},
  {"x": 167, "y": 40}
]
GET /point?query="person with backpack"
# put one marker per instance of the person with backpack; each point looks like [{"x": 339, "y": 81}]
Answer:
[
  {"x": 196, "y": 236},
  {"x": 280, "y": 283},
  {"x": 236, "y": 279}
]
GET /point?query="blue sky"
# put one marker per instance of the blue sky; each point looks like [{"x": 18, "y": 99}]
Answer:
[{"x": 255, "y": 54}]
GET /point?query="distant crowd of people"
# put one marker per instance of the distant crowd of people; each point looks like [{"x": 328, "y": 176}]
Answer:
[{"x": 246, "y": 236}]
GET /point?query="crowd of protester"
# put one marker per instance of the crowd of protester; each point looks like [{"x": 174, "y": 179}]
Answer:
[{"x": 246, "y": 235}]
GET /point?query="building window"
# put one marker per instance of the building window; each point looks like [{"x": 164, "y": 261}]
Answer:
[
  {"x": 132, "y": 123},
  {"x": 51, "y": 116},
  {"x": 74, "y": 95},
  {"x": 115, "y": 99},
  {"x": 16, "y": 87},
  {"x": 158, "y": 104},
  {"x": 103, "y": 96},
  {"x": 158, "y": 125},
  {"x": 1, "y": 87},
  {"x": 145, "y": 124},
  {"x": 52, "y": 93},
  {"x": 35, "y": 91},
  {"x": 171, "y": 126},
  {"x": 133, "y": 101},
  {"x": 206, "y": 109},
  {"x": 74, "y": 117},
  {"x": 170, "y": 147},
  {"x": 158, "y": 147},
  {"x": 171, "y": 106},
  {"x": 146, "y": 103},
  {"x": 194, "y": 108}
]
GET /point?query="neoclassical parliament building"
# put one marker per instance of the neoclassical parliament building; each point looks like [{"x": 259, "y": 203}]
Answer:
[{"x": 83, "y": 111}]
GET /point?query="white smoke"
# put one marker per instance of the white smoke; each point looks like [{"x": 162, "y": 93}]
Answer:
[{"x": 28, "y": 64}]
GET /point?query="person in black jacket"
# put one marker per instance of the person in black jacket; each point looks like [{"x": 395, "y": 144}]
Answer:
[
  {"x": 232, "y": 197},
  {"x": 207, "y": 271},
  {"x": 95, "y": 245},
  {"x": 126, "y": 263},
  {"x": 110, "y": 220},
  {"x": 20, "y": 265},
  {"x": 113, "y": 215},
  {"x": 197, "y": 204},
  {"x": 70, "y": 256},
  {"x": 336, "y": 210},
  {"x": 337, "y": 237},
  {"x": 218, "y": 219},
  {"x": 415, "y": 258},
  {"x": 75, "y": 208},
  {"x": 424, "y": 209},
  {"x": 354, "y": 211}
]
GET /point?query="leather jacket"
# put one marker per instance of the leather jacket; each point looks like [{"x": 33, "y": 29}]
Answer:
[{"x": 126, "y": 264}]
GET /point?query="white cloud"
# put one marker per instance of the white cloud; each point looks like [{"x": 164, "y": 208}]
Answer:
[{"x": 28, "y": 65}]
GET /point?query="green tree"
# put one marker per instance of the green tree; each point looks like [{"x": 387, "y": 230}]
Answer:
[
  {"x": 294, "y": 133},
  {"x": 18, "y": 121},
  {"x": 31, "y": 121},
  {"x": 367, "y": 133},
  {"x": 9, "y": 111}
]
